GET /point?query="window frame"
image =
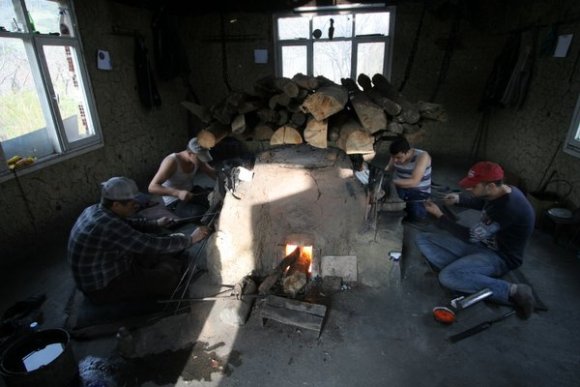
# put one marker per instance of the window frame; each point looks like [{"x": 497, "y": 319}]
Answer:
[
  {"x": 571, "y": 145},
  {"x": 34, "y": 44},
  {"x": 356, "y": 40}
]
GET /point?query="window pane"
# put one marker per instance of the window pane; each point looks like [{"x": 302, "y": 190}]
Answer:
[
  {"x": 67, "y": 83},
  {"x": 293, "y": 28},
  {"x": 11, "y": 16},
  {"x": 293, "y": 60},
  {"x": 332, "y": 60},
  {"x": 22, "y": 123},
  {"x": 372, "y": 23},
  {"x": 45, "y": 15},
  {"x": 342, "y": 25},
  {"x": 370, "y": 58}
]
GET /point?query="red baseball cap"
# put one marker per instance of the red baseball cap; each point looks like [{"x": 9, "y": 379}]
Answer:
[{"x": 482, "y": 171}]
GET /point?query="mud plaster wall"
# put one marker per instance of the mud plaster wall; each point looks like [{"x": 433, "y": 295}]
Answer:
[
  {"x": 524, "y": 140},
  {"x": 295, "y": 190},
  {"x": 135, "y": 139}
]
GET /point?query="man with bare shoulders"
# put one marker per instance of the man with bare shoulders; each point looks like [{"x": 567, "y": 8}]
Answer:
[
  {"x": 174, "y": 178},
  {"x": 412, "y": 176}
]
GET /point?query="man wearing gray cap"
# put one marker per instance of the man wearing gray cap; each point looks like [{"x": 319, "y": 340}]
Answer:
[
  {"x": 174, "y": 178},
  {"x": 115, "y": 257}
]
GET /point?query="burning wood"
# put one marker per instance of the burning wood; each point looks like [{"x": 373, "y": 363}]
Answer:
[
  {"x": 296, "y": 277},
  {"x": 275, "y": 275},
  {"x": 293, "y": 272}
]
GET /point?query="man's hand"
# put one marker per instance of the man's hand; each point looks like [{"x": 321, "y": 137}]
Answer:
[
  {"x": 164, "y": 221},
  {"x": 199, "y": 233},
  {"x": 184, "y": 195},
  {"x": 433, "y": 209},
  {"x": 451, "y": 199}
]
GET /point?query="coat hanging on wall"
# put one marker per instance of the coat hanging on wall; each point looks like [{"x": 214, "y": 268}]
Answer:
[{"x": 146, "y": 86}]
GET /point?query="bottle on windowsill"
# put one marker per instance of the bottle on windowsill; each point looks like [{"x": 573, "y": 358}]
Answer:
[{"x": 65, "y": 22}]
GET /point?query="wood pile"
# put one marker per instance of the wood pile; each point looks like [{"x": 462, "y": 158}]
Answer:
[{"x": 315, "y": 110}]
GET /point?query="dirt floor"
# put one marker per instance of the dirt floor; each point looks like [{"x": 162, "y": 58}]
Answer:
[{"x": 377, "y": 332}]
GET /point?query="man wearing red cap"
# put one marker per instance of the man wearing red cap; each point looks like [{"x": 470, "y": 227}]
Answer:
[{"x": 476, "y": 257}]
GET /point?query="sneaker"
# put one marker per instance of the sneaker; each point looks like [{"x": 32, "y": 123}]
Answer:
[{"x": 524, "y": 301}]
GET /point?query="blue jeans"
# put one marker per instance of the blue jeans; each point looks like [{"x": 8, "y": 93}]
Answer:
[
  {"x": 465, "y": 267},
  {"x": 415, "y": 210}
]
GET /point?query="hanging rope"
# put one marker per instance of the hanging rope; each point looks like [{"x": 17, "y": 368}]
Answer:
[
  {"x": 413, "y": 49},
  {"x": 478, "y": 147},
  {"x": 224, "y": 54},
  {"x": 448, "y": 51}
]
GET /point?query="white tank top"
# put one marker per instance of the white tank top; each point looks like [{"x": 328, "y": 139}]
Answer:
[{"x": 179, "y": 180}]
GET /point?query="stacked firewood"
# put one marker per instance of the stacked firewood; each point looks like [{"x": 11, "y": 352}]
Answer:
[{"x": 316, "y": 110}]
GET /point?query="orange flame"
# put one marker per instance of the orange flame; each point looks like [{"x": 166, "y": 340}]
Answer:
[{"x": 305, "y": 253}]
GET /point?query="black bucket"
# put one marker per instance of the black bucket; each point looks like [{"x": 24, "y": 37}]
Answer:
[{"x": 42, "y": 358}]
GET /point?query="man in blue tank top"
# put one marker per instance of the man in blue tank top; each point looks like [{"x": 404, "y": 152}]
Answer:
[
  {"x": 412, "y": 176},
  {"x": 473, "y": 258}
]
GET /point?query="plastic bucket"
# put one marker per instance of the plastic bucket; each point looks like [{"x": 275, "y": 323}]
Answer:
[
  {"x": 541, "y": 202},
  {"x": 42, "y": 358}
]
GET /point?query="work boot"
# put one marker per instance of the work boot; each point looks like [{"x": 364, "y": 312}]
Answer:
[{"x": 524, "y": 301}]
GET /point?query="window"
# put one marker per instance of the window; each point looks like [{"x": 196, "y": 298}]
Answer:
[
  {"x": 47, "y": 110},
  {"x": 572, "y": 144},
  {"x": 335, "y": 43}
]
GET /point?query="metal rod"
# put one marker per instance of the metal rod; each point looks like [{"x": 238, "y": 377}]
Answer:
[
  {"x": 464, "y": 302},
  {"x": 213, "y": 298}
]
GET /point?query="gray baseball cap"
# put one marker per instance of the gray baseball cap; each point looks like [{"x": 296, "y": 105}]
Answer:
[
  {"x": 201, "y": 152},
  {"x": 119, "y": 188}
]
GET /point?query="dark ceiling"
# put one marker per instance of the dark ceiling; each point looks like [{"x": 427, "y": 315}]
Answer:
[{"x": 198, "y": 7}]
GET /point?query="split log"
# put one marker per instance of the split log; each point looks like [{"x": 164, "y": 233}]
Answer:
[
  {"x": 286, "y": 135},
  {"x": 262, "y": 132},
  {"x": 268, "y": 115},
  {"x": 213, "y": 134},
  {"x": 199, "y": 111},
  {"x": 276, "y": 274},
  {"x": 326, "y": 101},
  {"x": 239, "y": 124},
  {"x": 409, "y": 111},
  {"x": 354, "y": 139},
  {"x": 432, "y": 111},
  {"x": 315, "y": 133},
  {"x": 359, "y": 141},
  {"x": 298, "y": 119},
  {"x": 392, "y": 108},
  {"x": 282, "y": 117},
  {"x": 270, "y": 85},
  {"x": 371, "y": 116},
  {"x": 395, "y": 127},
  {"x": 306, "y": 81},
  {"x": 278, "y": 100},
  {"x": 287, "y": 86},
  {"x": 250, "y": 105}
]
